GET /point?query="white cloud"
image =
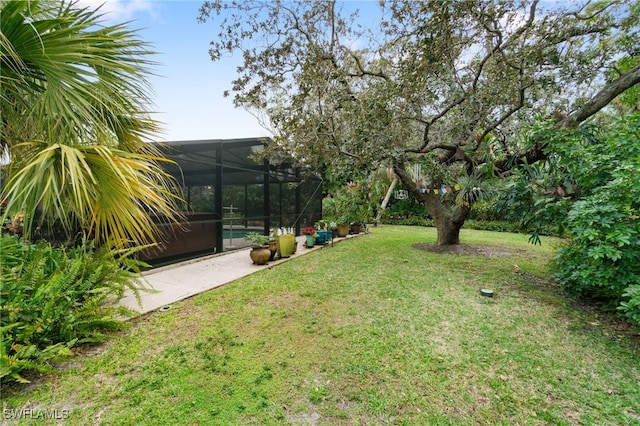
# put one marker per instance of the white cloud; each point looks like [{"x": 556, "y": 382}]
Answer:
[{"x": 121, "y": 10}]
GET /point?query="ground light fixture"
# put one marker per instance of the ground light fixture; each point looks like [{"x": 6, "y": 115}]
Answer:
[{"x": 486, "y": 292}]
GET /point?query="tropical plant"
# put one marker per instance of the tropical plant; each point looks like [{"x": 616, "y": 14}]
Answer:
[
  {"x": 75, "y": 124},
  {"x": 355, "y": 202},
  {"x": 589, "y": 190},
  {"x": 538, "y": 196},
  {"x": 329, "y": 207},
  {"x": 54, "y": 299},
  {"x": 257, "y": 239},
  {"x": 602, "y": 258}
]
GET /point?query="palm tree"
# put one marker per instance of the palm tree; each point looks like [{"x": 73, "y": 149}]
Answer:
[{"x": 75, "y": 124}]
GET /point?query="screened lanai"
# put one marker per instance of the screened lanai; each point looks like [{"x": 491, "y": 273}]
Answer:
[{"x": 228, "y": 193}]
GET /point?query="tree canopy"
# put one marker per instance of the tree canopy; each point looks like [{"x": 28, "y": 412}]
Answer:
[{"x": 445, "y": 84}]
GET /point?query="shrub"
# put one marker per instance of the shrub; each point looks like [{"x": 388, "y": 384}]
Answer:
[
  {"x": 56, "y": 298},
  {"x": 602, "y": 258},
  {"x": 631, "y": 304},
  {"x": 482, "y": 225},
  {"x": 408, "y": 221},
  {"x": 405, "y": 209},
  {"x": 486, "y": 210},
  {"x": 586, "y": 191},
  {"x": 493, "y": 225}
]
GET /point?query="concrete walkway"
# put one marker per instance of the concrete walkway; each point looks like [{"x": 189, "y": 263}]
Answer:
[{"x": 179, "y": 281}]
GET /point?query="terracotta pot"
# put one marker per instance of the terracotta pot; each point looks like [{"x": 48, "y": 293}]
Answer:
[
  {"x": 343, "y": 230},
  {"x": 260, "y": 255}
]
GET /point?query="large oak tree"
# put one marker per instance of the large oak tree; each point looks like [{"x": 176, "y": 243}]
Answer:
[{"x": 446, "y": 84}]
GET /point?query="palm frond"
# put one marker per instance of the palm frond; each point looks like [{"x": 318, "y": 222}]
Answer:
[
  {"x": 74, "y": 98},
  {"x": 472, "y": 189}
]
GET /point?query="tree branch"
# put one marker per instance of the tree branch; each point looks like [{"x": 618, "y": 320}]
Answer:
[
  {"x": 604, "y": 97},
  {"x": 364, "y": 72},
  {"x": 593, "y": 106}
]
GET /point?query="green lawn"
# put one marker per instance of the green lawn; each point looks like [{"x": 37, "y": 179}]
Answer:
[{"x": 370, "y": 331}]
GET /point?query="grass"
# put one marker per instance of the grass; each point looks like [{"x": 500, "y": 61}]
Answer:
[{"x": 371, "y": 331}]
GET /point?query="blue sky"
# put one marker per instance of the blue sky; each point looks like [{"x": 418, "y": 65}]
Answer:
[
  {"x": 188, "y": 91},
  {"x": 189, "y": 86}
]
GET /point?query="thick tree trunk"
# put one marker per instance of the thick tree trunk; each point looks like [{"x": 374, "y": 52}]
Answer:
[
  {"x": 448, "y": 222},
  {"x": 448, "y": 231}
]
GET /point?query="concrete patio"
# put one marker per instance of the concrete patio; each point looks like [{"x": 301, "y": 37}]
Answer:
[{"x": 175, "y": 282}]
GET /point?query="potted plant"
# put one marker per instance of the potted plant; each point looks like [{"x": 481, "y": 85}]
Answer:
[
  {"x": 343, "y": 225},
  {"x": 333, "y": 227},
  {"x": 343, "y": 229},
  {"x": 351, "y": 208},
  {"x": 310, "y": 233},
  {"x": 273, "y": 245},
  {"x": 361, "y": 213},
  {"x": 333, "y": 209},
  {"x": 322, "y": 229},
  {"x": 260, "y": 252},
  {"x": 349, "y": 221},
  {"x": 286, "y": 241}
]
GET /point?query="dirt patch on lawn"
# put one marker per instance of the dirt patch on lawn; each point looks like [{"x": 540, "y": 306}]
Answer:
[{"x": 469, "y": 250}]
